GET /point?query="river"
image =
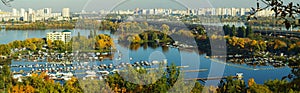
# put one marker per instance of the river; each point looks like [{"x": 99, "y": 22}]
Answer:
[{"x": 173, "y": 55}]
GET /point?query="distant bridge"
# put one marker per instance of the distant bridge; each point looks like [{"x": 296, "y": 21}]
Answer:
[
  {"x": 244, "y": 67},
  {"x": 278, "y": 32}
]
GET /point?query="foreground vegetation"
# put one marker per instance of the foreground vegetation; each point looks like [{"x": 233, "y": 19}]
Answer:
[{"x": 40, "y": 83}]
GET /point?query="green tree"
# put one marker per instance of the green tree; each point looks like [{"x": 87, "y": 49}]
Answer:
[
  {"x": 5, "y": 50},
  {"x": 249, "y": 32},
  {"x": 233, "y": 31},
  {"x": 241, "y": 32}
]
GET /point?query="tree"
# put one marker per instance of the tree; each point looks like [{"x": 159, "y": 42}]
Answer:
[
  {"x": 136, "y": 39},
  {"x": 284, "y": 11},
  {"x": 5, "y": 78},
  {"x": 227, "y": 29},
  {"x": 241, "y": 32},
  {"x": 278, "y": 44},
  {"x": 249, "y": 32},
  {"x": 165, "y": 28},
  {"x": 154, "y": 36},
  {"x": 232, "y": 86},
  {"x": 145, "y": 36},
  {"x": 200, "y": 30},
  {"x": 72, "y": 86},
  {"x": 32, "y": 47},
  {"x": 5, "y": 50},
  {"x": 277, "y": 86},
  {"x": 233, "y": 31}
]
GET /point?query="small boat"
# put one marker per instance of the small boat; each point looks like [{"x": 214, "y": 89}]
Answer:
[
  {"x": 28, "y": 75},
  {"x": 53, "y": 78},
  {"x": 103, "y": 72},
  {"x": 17, "y": 76},
  {"x": 66, "y": 78},
  {"x": 90, "y": 72},
  {"x": 239, "y": 75},
  {"x": 104, "y": 53},
  {"x": 115, "y": 71},
  {"x": 119, "y": 58},
  {"x": 87, "y": 76},
  {"x": 69, "y": 74}
]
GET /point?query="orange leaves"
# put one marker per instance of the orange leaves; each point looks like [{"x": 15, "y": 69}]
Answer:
[
  {"x": 278, "y": 44},
  {"x": 22, "y": 89},
  {"x": 135, "y": 39},
  {"x": 71, "y": 81},
  {"x": 101, "y": 44},
  {"x": 251, "y": 82},
  {"x": 104, "y": 42},
  {"x": 246, "y": 43},
  {"x": 34, "y": 75},
  {"x": 29, "y": 89}
]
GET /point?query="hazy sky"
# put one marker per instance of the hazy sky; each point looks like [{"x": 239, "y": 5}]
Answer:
[{"x": 96, "y": 5}]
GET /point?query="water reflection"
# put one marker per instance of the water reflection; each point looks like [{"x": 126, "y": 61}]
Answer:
[{"x": 142, "y": 52}]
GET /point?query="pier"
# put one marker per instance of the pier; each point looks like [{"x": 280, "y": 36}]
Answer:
[{"x": 238, "y": 76}]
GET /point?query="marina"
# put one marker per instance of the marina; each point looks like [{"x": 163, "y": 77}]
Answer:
[{"x": 126, "y": 56}]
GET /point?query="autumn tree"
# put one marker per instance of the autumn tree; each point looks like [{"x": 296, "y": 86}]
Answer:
[
  {"x": 287, "y": 11},
  {"x": 165, "y": 28}
]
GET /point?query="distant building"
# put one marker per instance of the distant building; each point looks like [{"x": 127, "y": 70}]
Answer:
[
  {"x": 47, "y": 11},
  {"x": 31, "y": 17},
  {"x": 25, "y": 18},
  {"x": 65, "y": 12},
  {"x": 14, "y": 12},
  {"x": 30, "y": 11},
  {"x": 22, "y": 12},
  {"x": 64, "y": 36}
]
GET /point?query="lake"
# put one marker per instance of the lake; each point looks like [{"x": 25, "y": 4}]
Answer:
[{"x": 173, "y": 55}]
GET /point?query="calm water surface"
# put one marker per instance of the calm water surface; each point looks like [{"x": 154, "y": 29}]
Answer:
[{"x": 173, "y": 55}]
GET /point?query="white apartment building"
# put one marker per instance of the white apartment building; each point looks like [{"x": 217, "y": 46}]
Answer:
[
  {"x": 64, "y": 36},
  {"x": 65, "y": 12},
  {"x": 22, "y": 12}
]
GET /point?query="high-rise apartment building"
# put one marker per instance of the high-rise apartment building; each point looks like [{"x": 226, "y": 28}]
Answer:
[
  {"x": 14, "y": 12},
  {"x": 65, "y": 12},
  {"x": 64, "y": 36},
  {"x": 22, "y": 12}
]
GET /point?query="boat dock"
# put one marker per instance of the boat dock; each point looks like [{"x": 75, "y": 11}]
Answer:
[
  {"x": 238, "y": 76},
  {"x": 209, "y": 78}
]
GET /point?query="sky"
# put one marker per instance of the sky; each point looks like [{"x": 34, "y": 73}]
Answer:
[{"x": 96, "y": 5}]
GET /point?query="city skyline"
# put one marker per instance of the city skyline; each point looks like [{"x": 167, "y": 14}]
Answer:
[
  {"x": 95, "y": 5},
  {"x": 32, "y": 15}
]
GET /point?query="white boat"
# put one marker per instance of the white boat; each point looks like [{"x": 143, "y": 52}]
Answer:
[
  {"x": 115, "y": 71},
  {"x": 87, "y": 76},
  {"x": 155, "y": 62},
  {"x": 58, "y": 73},
  {"x": 90, "y": 72},
  {"x": 69, "y": 74},
  {"x": 103, "y": 72},
  {"x": 17, "y": 76},
  {"x": 119, "y": 58},
  {"x": 28, "y": 75},
  {"x": 104, "y": 53},
  {"x": 239, "y": 75},
  {"x": 52, "y": 75},
  {"x": 66, "y": 78}
]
